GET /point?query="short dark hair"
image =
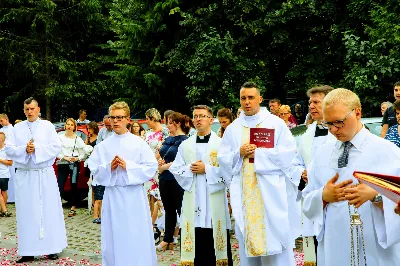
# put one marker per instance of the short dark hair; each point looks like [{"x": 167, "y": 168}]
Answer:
[
  {"x": 275, "y": 100},
  {"x": 204, "y": 107},
  {"x": 396, "y": 105},
  {"x": 249, "y": 85},
  {"x": 82, "y": 110},
  {"x": 325, "y": 89},
  {"x": 31, "y": 100},
  {"x": 397, "y": 84},
  {"x": 93, "y": 125}
]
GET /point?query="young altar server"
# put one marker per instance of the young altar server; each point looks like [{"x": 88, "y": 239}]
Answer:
[
  {"x": 332, "y": 193},
  {"x": 261, "y": 192},
  {"x": 122, "y": 163},
  {"x": 315, "y": 136},
  {"x": 205, "y": 219},
  {"x": 40, "y": 220},
  {"x": 8, "y": 130}
]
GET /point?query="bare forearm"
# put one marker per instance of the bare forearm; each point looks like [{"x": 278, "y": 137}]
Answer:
[
  {"x": 385, "y": 128},
  {"x": 6, "y": 162}
]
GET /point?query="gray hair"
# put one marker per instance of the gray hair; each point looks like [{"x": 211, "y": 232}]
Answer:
[{"x": 389, "y": 104}]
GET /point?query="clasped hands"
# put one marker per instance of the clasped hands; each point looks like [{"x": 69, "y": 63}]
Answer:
[
  {"x": 198, "y": 167},
  {"x": 247, "y": 150},
  {"x": 70, "y": 159},
  {"x": 162, "y": 166},
  {"x": 30, "y": 147},
  {"x": 356, "y": 195},
  {"x": 118, "y": 161}
]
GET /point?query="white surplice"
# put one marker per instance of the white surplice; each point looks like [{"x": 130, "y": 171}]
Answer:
[
  {"x": 369, "y": 153},
  {"x": 207, "y": 183},
  {"x": 40, "y": 219},
  {"x": 126, "y": 229},
  {"x": 307, "y": 146},
  {"x": 272, "y": 167},
  {"x": 9, "y": 132}
]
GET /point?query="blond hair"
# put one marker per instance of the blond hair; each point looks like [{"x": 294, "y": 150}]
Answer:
[
  {"x": 285, "y": 108},
  {"x": 120, "y": 106},
  {"x": 153, "y": 114},
  {"x": 17, "y": 121},
  {"x": 3, "y": 116},
  {"x": 2, "y": 133},
  {"x": 73, "y": 122},
  {"x": 341, "y": 96}
]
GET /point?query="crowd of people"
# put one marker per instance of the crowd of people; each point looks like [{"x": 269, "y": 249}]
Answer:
[{"x": 180, "y": 179}]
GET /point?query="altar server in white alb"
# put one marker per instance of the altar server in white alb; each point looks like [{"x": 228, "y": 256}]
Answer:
[
  {"x": 122, "y": 163},
  {"x": 205, "y": 219},
  {"x": 40, "y": 221},
  {"x": 315, "y": 136},
  {"x": 332, "y": 193},
  {"x": 260, "y": 191},
  {"x": 8, "y": 130}
]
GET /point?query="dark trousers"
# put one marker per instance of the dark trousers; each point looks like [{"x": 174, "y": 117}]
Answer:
[
  {"x": 63, "y": 172},
  {"x": 171, "y": 196},
  {"x": 204, "y": 247}
]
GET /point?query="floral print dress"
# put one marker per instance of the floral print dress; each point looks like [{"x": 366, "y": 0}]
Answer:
[{"x": 155, "y": 140}]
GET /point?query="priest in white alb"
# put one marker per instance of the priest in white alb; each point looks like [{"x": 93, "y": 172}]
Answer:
[
  {"x": 315, "y": 136},
  {"x": 205, "y": 220},
  {"x": 122, "y": 163},
  {"x": 261, "y": 192},
  {"x": 333, "y": 197},
  {"x": 40, "y": 221}
]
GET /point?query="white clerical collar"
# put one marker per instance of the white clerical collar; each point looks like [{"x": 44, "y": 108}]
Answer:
[
  {"x": 251, "y": 117},
  {"x": 33, "y": 122},
  {"x": 122, "y": 135}
]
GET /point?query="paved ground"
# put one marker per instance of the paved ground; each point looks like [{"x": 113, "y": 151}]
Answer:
[{"x": 83, "y": 241}]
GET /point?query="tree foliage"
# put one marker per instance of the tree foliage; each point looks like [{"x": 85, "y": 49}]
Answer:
[{"x": 171, "y": 54}]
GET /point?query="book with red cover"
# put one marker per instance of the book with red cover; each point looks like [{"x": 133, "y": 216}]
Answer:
[
  {"x": 262, "y": 138},
  {"x": 387, "y": 185}
]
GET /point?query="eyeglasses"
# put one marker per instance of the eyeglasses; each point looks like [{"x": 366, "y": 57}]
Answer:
[
  {"x": 201, "y": 117},
  {"x": 338, "y": 123},
  {"x": 118, "y": 118}
]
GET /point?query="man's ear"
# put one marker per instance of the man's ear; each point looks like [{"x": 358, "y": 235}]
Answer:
[{"x": 260, "y": 100}]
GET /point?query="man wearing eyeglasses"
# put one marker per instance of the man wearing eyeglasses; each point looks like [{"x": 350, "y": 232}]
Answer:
[
  {"x": 260, "y": 188},
  {"x": 315, "y": 136},
  {"x": 332, "y": 195},
  {"x": 122, "y": 163},
  {"x": 205, "y": 219}
]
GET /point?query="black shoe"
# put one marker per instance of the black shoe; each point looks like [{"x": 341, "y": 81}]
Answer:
[
  {"x": 52, "y": 257},
  {"x": 25, "y": 259}
]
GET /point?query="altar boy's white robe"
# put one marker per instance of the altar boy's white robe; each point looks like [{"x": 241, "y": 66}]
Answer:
[
  {"x": 40, "y": 218},
  {"x": 369, "y": 153},
  {"x": 272, "y": 168},
  {"x": 9, "y": 132},
  {"x": 126, "y": 230}
]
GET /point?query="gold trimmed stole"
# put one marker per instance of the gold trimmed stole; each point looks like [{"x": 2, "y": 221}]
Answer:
[
  {"x": 217, "y": 206},
  {"x": 255, "y": 237}
]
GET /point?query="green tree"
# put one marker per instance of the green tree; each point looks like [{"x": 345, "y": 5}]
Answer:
[
  {"x": 372, "y": 56},
  {"x": 50, "y": 50}
]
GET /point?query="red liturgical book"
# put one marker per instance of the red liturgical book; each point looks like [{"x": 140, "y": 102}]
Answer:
[
  {"x": 262, "y": 137},
  {"x": 387, "y": 185}
]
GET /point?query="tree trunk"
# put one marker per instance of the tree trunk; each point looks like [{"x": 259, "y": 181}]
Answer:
[{"x": 48, "y": 108}]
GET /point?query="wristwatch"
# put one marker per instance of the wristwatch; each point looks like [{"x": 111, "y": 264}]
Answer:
[{"x": 378, "y": 198}]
